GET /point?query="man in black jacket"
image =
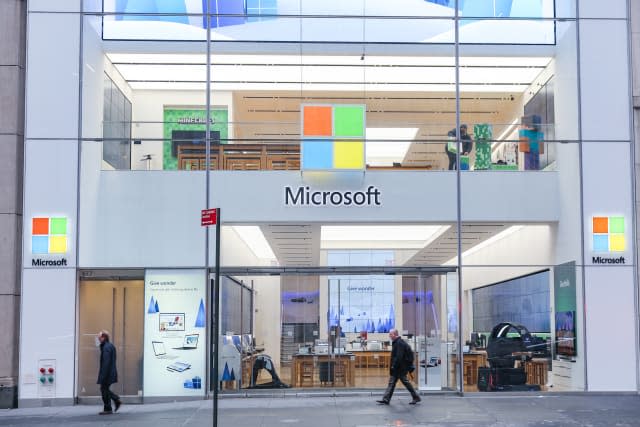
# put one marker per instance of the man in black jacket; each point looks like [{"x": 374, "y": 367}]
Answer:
[
  {"x": 401, "y": 365},
  {"x": 451, "y": 147},
  {"x": 107, "y": 374}
]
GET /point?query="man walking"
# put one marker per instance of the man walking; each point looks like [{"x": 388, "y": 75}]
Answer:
[
  {"x": 107, "y": 374},
  {"x": 401, "y": 365}
]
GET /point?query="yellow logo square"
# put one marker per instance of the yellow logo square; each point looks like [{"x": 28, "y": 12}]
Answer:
[
  {"x": 57, "y": 244},
  {"x": 348, "y": 155},
  {"x": 616, "y": 243}
]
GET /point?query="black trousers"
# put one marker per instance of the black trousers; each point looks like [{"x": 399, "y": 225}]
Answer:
[
  {"x": 452, "y": 160},
  {"x": 107, "y": 396},
  {"x": 393, "y": 379}
]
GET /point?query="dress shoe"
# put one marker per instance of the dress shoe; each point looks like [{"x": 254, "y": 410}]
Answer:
[
  {"x": 382, "y": 402},
  {"x": 414, "y": 401},
  {"x": 106, "y": 413},
  {"x": 118, "y": 403}
]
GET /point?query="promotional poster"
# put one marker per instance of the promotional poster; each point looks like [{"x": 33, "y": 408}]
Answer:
[{"x": 174, "y": 338}]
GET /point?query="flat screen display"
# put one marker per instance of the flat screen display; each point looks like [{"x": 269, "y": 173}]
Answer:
[
  {"x": 171, "y": 322},
  {"x": 566, "y": 333},
  {"x": 523, "y": 300}
]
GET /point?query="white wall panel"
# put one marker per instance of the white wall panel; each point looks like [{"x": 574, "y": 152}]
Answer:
[
  {"x": 607, "y": 190},
  {"x": 605, "y": 80},
  {"x": 611, "y": 329},
  {"x": 144, "y": 219},
  {"x": 603, "y": 9},
  {"x": 52, "y": 75},
  {"x": 55, "y": 6},
  {"x": 50, "y": 188},
  {"x": 47, "y": 329}
]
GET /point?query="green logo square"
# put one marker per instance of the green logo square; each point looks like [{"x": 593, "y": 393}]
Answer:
[
  {"x": 616, "y": 224},
  {"x": 58, "y": 226},
  {"x": 348, "y": 121}
]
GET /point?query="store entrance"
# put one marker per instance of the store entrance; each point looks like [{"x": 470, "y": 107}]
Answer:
[
  {"x": 118, "y": 307},
  {"x": 334, "y": 327}
]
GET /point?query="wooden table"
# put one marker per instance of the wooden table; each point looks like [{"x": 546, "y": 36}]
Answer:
[
  {"x": 372, "y": 359},
  {"x": 471, "y": 362},
  {"x": 537, "y": 370},
  {"x": 305, "y": 370}
]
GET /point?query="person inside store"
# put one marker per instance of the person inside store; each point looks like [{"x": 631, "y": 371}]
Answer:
[
  {"x": 107, "y": 373},
  {"x": 451, "y": 147},
  {"x": 531, "y": 137},
  {"x": 401, "y": 365}
]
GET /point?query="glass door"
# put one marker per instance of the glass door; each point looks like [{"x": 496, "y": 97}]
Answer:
[
  {"x": 118, "y": 307},
  {"x": 429, "y": 322}
]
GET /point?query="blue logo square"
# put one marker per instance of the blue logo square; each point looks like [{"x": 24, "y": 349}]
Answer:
[
  {"x": 317, "y": 154},
  {"x": 601, "y": 243},
  {"x": 40, "y": 244}
]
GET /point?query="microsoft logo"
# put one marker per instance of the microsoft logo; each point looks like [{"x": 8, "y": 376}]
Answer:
[
  {"x": 608, "y": 234},
  {"x": 49, "y": 235},
  {"x": 333, "y": 137}
]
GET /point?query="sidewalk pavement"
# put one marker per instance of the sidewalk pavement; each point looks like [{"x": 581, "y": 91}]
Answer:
[{"x": 437, "y": 410}]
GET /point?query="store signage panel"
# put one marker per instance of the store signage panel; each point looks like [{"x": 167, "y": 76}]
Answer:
[
  {"x": 306, "y": 196},
  {"x": 608, "y": 239},
  {"x": 332, "y": 137},
  {"x": 49, "y": 241},
  {"x": 174, "y": 333}
]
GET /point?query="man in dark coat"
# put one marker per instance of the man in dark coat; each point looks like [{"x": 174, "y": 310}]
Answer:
[
  {"x": 451, "y": 147},
  {"x": 107, "y": 374},
  {"x": 401, "y": 365}
]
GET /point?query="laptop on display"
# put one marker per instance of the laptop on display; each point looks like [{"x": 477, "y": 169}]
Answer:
[
  {"x": 190, "y": 342},
  {"x": 160, "y": 351}
]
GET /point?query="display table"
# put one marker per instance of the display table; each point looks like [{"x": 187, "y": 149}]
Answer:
[
  {"x": 536, "y": 370},
  {"x": 471, "y": 362},
  {"x": 247, "y": 369},
  {"x": 372, "y": 359},
  {"x": 311, "y": 370}
]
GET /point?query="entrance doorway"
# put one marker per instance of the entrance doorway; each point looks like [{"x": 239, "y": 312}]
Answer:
[
  {"x": 116, "y": 306},
  {"x": 334, "y": 324}
]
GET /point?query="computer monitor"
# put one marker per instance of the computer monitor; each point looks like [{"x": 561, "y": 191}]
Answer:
[
  {"x": 247, "y": 343},
  {"x": 475, "y": 340},
  {"x": 374, "y": 345}
]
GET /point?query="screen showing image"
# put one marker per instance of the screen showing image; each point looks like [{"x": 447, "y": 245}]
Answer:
[
  {"x": 565, "y": 333},
  {"x": 523, "y": 300},
  {"x": 171, "y": 322}
]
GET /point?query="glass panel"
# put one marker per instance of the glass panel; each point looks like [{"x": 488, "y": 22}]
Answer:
[{"x": 528, "y": 320}]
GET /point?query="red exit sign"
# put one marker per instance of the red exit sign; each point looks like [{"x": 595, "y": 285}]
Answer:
[{"x": 209, "y": 217}]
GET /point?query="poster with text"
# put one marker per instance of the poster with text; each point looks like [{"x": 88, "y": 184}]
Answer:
[{"x": 174, "y": 333}]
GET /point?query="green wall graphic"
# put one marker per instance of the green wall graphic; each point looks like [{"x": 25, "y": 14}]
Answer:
[
  {"x": 564, "y": 282},
  {"x": 190, "y": 119}
]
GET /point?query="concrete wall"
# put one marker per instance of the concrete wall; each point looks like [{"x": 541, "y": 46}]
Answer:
[{"x": 12, "y": 66}]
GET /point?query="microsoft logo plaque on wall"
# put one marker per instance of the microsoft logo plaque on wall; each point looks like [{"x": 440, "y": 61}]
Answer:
[
  {"x": 608, "y": 238},
  {"x": 49, "y": 241}
]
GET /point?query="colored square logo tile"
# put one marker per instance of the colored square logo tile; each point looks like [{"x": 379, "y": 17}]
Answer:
[
  {"x": 616, "y": 243},
  {"x": 616, "y": 224},
  {"x": 317, "y": 121},
  {"x": 349, "y": 121},
  {"x": 40, "y": 226},
  {"x": 317, "y": 154},
  {"x": 40, "y": 244},
  {"x": 58, "y": 226},
  {"x": 600, "y": 224},
  {"x": 600, "y": 243},
  {"x": 58, "y": 244},
  {"x": 348, "y": 155}
]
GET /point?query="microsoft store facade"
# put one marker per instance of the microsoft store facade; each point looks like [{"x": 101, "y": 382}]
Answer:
[{"x": 440, "y": 167}]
